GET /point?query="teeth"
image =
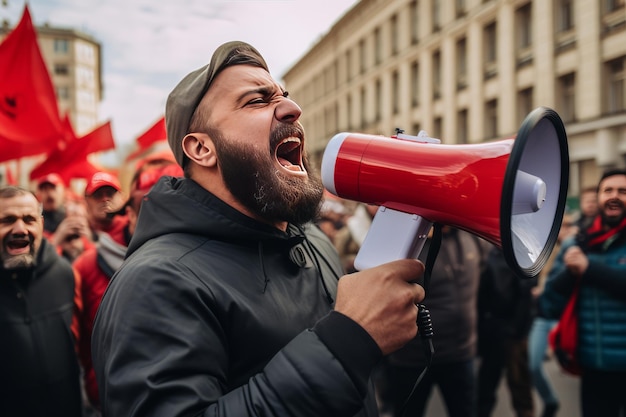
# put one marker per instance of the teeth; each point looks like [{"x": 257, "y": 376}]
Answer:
[{"x": 288, "y": 153}]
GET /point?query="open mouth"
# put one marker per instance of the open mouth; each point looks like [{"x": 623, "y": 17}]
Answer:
[
  {"x": 17, "y": 246},
  {"x": 289, "y": 154}
]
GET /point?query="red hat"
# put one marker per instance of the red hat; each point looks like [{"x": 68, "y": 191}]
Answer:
[
  {"x": 102, "y": 179},
  {"x": 53, "y": 179}
]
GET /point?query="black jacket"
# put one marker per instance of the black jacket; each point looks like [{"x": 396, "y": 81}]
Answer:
[
  {"x": 39, "y": 373},
  {"x": 214, "y": 313},
  {"x": 505, "y": 303}
]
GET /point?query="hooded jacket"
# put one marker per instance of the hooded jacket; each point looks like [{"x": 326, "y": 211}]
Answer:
[
  {"x": 39, "y": 373},
  {"x": 214, "y": 313}
]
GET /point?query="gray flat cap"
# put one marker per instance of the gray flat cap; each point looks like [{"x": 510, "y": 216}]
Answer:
[{"x": 185, "y": 97}]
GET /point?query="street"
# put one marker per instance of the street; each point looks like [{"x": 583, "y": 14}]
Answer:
[{"x": 567, "y": 388}]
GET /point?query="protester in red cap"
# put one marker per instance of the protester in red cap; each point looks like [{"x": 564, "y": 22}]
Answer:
[
  {"x": 51, "y": 194},
  {"x": 104, "y": 198},
  {"x": 97, "y": 266}
]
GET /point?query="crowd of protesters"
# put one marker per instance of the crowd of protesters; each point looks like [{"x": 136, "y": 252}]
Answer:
[
  {"x": 60, "y": 249},
  {"x": 138, "y": 303},
  {"x": 92, "y": 232}
]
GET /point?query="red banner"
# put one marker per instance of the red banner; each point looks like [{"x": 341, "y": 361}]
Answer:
[
  {"x": 29, "y": 116},
  {"x": 154, "y": 134},
  {"x": 71, "y": 161}
]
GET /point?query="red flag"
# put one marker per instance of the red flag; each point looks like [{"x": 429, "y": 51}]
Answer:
[
  {"x": 154, "y": 134},
  {"x": 29, "y": 116},
  {"x": 71, "y": 162}
]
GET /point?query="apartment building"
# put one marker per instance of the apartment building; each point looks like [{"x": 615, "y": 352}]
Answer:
[{"x": 469, "y": 71}]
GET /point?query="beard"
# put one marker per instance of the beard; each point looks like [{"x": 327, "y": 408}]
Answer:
[
  {"x": 22, "y": 261},
  {"x": 252, "y": 178},
  {"x": 613, "y": 221}
]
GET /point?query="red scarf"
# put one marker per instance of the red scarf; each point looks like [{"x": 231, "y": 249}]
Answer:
[{"x": 595, "y": 235}]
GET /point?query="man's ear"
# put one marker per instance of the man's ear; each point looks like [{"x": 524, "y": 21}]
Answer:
[{"x": 200, "y": 148}]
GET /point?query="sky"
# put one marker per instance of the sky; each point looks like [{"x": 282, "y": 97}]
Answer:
[{"x": 148, "y": 46}]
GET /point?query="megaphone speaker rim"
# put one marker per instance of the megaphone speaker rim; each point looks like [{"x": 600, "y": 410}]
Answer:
[{"x": 522, "y": 139}]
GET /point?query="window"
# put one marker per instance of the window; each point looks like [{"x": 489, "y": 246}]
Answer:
[
  {"x": 613, "y": 16},
  {"x": 436, "y": 74},
  {"x": 378, "y": 46},
  {"x": 462, "y": 127},
  {"x": 348, "y": 65},
  {"x": 436, "y": 10},
  {"x": 363, "y": 107},
  {"x": 61, "y": 69},
  {"x": 61, "y": 46},
  {"x": 615, "y": 85},
  {"x": 490, "y": 50},
  {"x": 566, "y": 96},
  {"x": 613, "y": 5},
  {"x": 415, "y": 84},
  {"x": 524, "y": 104},
  {"x": 565, "y": 15},
  {"x": 379, "y": 100},
  {"x": 362, "y": 57},
  {"x": 437, "y": 128},
  {"x": 461, "y": 63},
  {"x": 349, "y": 112},
  {"x": 461, "y": 8},
  {"x": 491, "y": 119},
  {"x": 395, "y": 92},
  {"x": 414, "y": 11},
  {"x": 63, "y": 93},
  {"x": 523, "y": 22},
  {"x": 394, "y": 34}
]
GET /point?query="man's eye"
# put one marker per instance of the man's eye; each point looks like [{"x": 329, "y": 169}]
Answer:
[{"x": 259, "y": 100}]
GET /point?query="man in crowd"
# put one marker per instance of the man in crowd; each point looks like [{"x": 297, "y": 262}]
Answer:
[
  {"x": 51, "y": 194},
  {"x": 96, "y": 266},
  {"x": 104, "y": 198},
  {"x": 588, "y": 201},
  {"x": 596, "y": 260},
  {"x": 39, "y": 372},
  {"x": 230, "y": 300},
  {"x": 505, "y": 314}
]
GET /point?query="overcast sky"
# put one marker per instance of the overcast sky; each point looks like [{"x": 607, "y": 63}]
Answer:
[{"x": 149, "y": 45}]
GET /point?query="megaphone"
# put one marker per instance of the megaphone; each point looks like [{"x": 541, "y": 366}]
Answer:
[{"x": 511, "y": 192}]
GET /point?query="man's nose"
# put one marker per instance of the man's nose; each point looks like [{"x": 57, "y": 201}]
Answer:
[
  {"x": 19, "y": 228},
  {"x": 288, "y": 111}
]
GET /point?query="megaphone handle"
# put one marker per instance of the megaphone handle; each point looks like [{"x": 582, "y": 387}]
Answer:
[{"x": 392, "y": 235}]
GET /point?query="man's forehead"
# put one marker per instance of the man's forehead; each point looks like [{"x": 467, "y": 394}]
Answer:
[
  {"x": 19, "y": 203},
  {"x": 239, "y": 78},
  {"x": 613, "y": 181}
]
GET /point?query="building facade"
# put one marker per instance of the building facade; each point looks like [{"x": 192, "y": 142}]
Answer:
[
  {"x": 469, "y": 71},
  {"x": 74, "y": 64}
]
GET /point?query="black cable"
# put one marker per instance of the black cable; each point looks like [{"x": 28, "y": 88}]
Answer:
[{"x": 424, "y": 322}]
